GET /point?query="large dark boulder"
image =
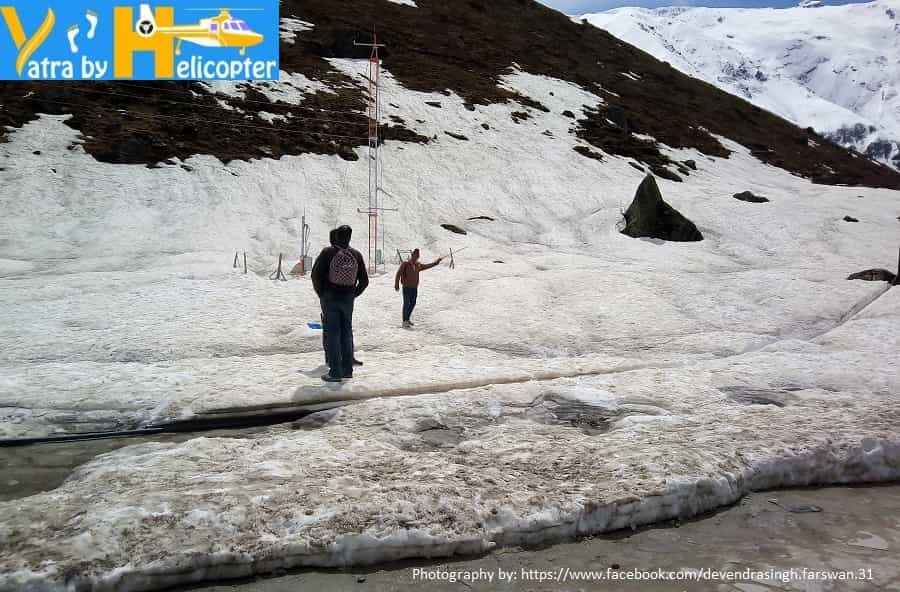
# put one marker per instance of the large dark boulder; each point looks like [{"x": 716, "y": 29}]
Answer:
[
  {"x": 874, "y": 275},
  {"x": 661, "y": 171},
  {"x": 453, "y": 228},
  {"x": 650, "y": 216},
  {"x": 588, "y": 153},
  {"x": 749, "y": 196}
]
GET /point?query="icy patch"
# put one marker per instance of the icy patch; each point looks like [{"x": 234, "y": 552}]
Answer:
[
  {"x": 607, "y": 91},
  {"x": 405, "y": 2},
  {"x": 226, "y": 87},
  {"x": 292, "y": 88},
  {"x": 14, "y": 267},
  {"x": 272, "y": 117},
  {"x": 586, "y": 409},
  {"x": 588, "y": 396},
  {"x": 557, "y": 95},
  {"x": 226, "y": 106},
  {"x": 869, "y": 541},
  {"x": 290, "y": 27}
]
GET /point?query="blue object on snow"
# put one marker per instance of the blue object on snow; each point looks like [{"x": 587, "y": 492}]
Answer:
[{"x": 314, "y": 326}]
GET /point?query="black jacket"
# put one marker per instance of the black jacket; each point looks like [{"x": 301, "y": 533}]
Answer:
[{"x": 323, "y": 265}]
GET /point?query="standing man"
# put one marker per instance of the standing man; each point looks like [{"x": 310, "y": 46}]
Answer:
[
  {"x": 331, "y": 240},
  {"x": 339, "y": 277},
  {"x": 408, "y": 274}
]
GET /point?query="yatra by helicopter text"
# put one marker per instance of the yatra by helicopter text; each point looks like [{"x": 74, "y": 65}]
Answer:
[{"x": 109, "y": 40}]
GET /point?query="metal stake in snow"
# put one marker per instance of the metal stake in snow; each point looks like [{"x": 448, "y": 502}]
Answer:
[
  {"x": 374, "y": 112},
  {"x": 304, "y": 243},
  {"x": 897, "y": 277}
]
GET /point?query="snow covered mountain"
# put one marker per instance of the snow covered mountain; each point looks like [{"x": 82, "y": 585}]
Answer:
[
  {"x": 833, "y": 68},
  {"x": 562, "y": 379}
]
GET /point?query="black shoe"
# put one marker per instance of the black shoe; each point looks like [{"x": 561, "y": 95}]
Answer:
[
  {"x": 348, "y": 376},
  {"x": 330, "y": 378},
  {"x": 357, "y": 362}
]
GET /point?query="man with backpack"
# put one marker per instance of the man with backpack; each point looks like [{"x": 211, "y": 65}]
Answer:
[
  {"x": 408, "y": 274},
  {"x": 339, "y": 277},
  {"x": 331, "y": 241}
]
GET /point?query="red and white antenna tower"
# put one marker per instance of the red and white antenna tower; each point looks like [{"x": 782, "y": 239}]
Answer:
[{"x": 374, "y": 112}]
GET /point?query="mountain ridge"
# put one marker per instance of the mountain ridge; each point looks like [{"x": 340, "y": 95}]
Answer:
[{"x": 828, "y": 67}]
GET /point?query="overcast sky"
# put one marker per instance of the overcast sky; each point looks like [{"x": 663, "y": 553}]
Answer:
[{"x": 584, "y": 6}]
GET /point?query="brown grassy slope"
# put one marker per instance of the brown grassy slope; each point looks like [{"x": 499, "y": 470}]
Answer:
[
  {"x": 466, "y": 45},
  {"x": 147, "y": 123},
  {"x": 463, "y": 46}
]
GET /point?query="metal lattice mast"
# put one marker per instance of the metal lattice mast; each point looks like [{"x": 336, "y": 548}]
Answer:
[
  {"x": 374, "y": 115},
  {"x": 374, "y": 112},
  {"x": 375, "y": 188}
]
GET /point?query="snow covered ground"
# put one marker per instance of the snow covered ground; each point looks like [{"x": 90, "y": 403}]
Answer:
[
  {"x": 563, "y": 379},
  {"x": 834, "y": 68}
]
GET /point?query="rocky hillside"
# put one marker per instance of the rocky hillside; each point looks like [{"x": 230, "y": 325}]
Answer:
[{"x": 461, "y": 48}]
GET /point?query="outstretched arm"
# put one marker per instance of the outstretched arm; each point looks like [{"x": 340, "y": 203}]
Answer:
[{"x": 430, "y": 265}]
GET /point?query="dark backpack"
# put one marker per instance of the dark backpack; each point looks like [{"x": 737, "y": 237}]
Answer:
[{"x": 343, "y": 269}]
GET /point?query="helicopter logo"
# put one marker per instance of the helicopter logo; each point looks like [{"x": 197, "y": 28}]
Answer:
[
  {"x": 219, "y": 31},
  {"x": 117, "y": 40}
]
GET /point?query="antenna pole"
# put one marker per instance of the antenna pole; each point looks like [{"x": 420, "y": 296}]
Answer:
[{"x": 374, "y": 112}]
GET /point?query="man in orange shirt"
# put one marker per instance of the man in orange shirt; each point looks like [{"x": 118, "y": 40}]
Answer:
[{"x": 408, "y": 275}]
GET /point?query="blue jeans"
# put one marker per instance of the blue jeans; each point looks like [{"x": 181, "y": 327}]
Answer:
[
  {"x": 337, "y": 311},
  {"x": 325, "y": 339},
  {"x": 409, "y": 302}
]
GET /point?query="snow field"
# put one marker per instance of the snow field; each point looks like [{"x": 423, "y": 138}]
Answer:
[{"x": 589, "y": 382}]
